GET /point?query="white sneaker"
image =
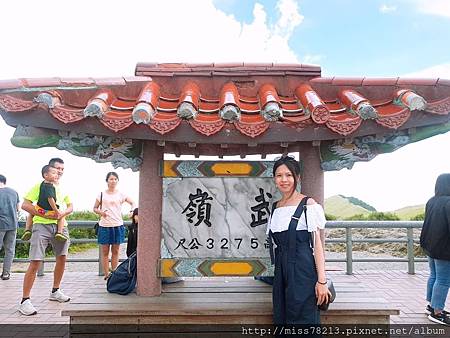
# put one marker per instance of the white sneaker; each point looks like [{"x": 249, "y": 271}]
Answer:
[
  {"x": 27, "y": 309},
  {"x": 59, "y": 296}
]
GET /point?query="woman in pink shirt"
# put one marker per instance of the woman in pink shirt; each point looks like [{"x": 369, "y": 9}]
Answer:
[{"x": 111, "y": 232}]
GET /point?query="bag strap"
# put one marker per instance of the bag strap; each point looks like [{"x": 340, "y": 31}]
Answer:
[
  {"x": 272, "y": 256},
  {"x": 292, "y": 237},
  {"x": 101, "y": 199},
  {"x": 130, "y": 258}
]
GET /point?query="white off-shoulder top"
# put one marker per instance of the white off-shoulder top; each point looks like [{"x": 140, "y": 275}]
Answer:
[{"x": 279, "y": 220}]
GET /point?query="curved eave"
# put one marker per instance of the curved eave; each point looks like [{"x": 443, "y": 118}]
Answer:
[
  {"x": 276, "y": 133},
  {"x": 278, "y": 109}
]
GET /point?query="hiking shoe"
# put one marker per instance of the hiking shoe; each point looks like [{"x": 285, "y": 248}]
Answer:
[
  {"x": 429, "y": 309},
  {"x": 61, "y": 237},
  {"x": 440, "y": 318},
  {"x": 27, "y": 309},
  {"x": 5, "y": 275},
  {"x": 59, "y": 296},
  {"x": 26, "y": 235}
]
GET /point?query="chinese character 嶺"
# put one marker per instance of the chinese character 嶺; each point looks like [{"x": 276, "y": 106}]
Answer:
[{"x": 199, "y": 207}]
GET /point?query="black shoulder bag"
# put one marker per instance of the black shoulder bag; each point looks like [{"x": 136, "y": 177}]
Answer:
[{"x": 96, "y": 225}]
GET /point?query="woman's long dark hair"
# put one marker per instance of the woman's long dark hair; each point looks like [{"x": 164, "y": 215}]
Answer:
[
  {"x": 133, "y": 221},
  {"x": 293, "y": 166}
]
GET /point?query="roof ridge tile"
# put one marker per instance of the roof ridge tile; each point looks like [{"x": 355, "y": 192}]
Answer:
[{"x": 417, "y": 81}]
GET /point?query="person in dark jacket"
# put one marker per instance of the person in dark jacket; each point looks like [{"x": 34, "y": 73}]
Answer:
[
  {"x": 435, "y": 241},
  {"x": 133, "y": 233}
]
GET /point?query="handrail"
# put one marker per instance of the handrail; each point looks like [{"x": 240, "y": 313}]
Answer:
[{"x": 348, "y": 240}]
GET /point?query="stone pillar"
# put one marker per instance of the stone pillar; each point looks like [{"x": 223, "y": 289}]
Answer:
[
  {"x": 312, "y": 178},
  {"x": 149, "y": 230}
]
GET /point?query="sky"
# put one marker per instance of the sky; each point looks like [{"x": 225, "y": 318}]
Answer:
[{"x": 371, "y": 38}]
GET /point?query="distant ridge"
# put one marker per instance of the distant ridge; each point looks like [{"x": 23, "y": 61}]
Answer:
[
  {"x": 357, "y": 201},
  {"x": 406, "y": 213},
  {"x": 343, "y": 207}
]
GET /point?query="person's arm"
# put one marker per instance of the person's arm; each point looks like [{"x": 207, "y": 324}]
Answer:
[
  {"x": 322, "y": 292},
  {"x": 28, "y": 206},
  {"x": 321, "y": 231},
  {"x": 319, "y": 258},
  {"x": 67, "y": 211},
  {"x": 322, "y": 238},
  {"x": 69, "y": 207},
  {"x": 18, "y": 203},
  {"x": 97, "y": 210},
  {"x": 52, "y": 203},
  {"x": 131, "y": 203}
]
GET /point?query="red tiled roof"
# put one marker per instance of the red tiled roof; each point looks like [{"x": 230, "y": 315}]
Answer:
[{"x": 250, "y": 98}]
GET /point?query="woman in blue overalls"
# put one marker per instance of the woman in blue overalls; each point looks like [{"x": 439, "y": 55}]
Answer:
[{"x": 300, "y": 283}]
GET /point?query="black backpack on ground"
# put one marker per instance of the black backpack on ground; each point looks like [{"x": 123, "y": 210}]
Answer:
[{"x": 123, "y": 279}]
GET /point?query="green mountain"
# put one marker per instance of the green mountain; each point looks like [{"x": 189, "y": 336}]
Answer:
[
  {"x": 407, "y": 213},
  {"x": 344, "y": 207}
]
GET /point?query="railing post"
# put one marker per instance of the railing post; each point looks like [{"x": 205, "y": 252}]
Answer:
[
  {"x": 100, "y": 265},
  {"x": 349, "y": 249},
  {"x": 41, "y": 269},
  {"x": 410, "y": 250}
]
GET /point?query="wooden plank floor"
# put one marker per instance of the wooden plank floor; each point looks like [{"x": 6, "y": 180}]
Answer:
[
  {"x": 220, "y": 300},
  {"x": 401, "y": 291}
]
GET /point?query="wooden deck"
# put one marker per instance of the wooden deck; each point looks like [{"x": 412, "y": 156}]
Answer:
[
  {"x": 394, "y": 289},
  {"x": 220, "y": 301}
]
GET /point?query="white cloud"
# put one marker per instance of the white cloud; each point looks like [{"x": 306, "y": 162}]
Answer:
[
  {"x": 387, "y": 9},
  {"x": 105, "y": 39},
  {"x": 313, "y": 59},
  {"x": 437, "y": 71},
  {"x": 290, "y": 17},
  {"x": 434, "y": 7}
]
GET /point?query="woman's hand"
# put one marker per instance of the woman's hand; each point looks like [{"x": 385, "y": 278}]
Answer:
[
  {"x": 103, "y": 213},
  {"x": 322, "y": 293}
]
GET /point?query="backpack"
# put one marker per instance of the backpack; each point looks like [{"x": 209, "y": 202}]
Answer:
[{"x": 123, "y": 279}]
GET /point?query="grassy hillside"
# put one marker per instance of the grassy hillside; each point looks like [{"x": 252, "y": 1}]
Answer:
[
  {"x": 407, "y": 213},
  {"x": 342, "y": 207}
]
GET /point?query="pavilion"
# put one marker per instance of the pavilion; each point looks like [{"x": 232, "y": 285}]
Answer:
[{"x": 223, "y": 110}]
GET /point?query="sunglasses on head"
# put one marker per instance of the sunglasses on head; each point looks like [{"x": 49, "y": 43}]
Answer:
[{"x": 285, "y": 158}]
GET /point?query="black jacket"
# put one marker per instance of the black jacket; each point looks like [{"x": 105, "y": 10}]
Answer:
[
  {"x": 435, "y": 235},
  {"x": 132, "y": 239}
]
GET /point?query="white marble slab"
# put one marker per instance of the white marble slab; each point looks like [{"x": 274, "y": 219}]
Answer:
[{"x": 230, "y": 230}]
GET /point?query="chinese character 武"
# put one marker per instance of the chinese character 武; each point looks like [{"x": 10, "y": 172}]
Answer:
[{"x": 261, "y": 209}]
